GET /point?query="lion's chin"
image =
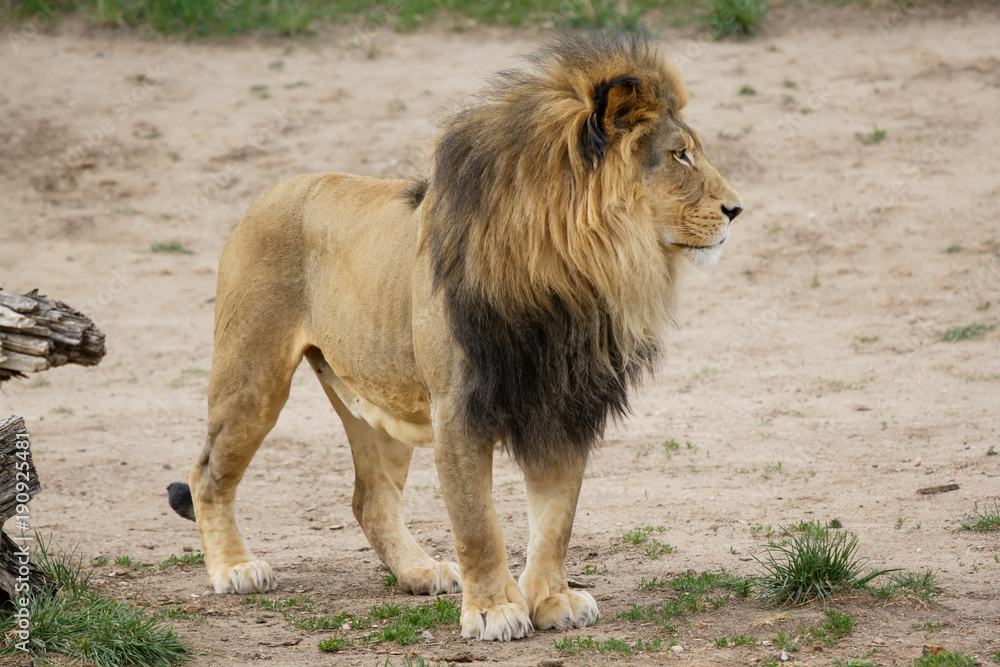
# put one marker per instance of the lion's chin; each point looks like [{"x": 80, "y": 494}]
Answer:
[{"x": 703, "y": 257}]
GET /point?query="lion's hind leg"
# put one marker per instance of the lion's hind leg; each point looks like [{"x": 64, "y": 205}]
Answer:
[
  {"x": 251, "y": 374},
  {"x": 552, "y": 495},
  {"x": 381, "y": 465}
]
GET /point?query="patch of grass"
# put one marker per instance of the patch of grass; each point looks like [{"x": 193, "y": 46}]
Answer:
[
  {"x": 177, "y": 613},
  {"x": 919, "y": 586},
  {"x": 981, "y": 521},
  {"x": 860, "y": 661},
  {"x": 600, "y": 14},
  {"x": 301, "y": 601},
  {"x": 407, "y": 622},
  {"x": 786, "y": 642},
  {"x": 186, "y": 560},
  {"x": 739, "y": 640},
  {"x": 736, "y": 17},
  {"x": 77, "y": 621},
  {"x": 953, "y": 249},
  {"x": 654, "y": 548},
  {"x": 202, "y": 18},
  {"x": 100, "y": 561},
  {"x": 129, "y": 562},
  {"x": 334, "y": 644},
  {"x": 574, "y": 645},
  {"x": 694, "y": 594},
  {"x": 838, "y": 625},
  {"x": 873, "y": 138},
  {"x": 390, "y": 580},
  {"x": 771, "y": 470},
  {"x": 169, "y": 247},
  {"x": 991, "y": 451},
  {"x": 748, "y": 90},
  {"x": 670, "y": 446},
  {"x": 813, "y": 564},
  {"x": 967, "y": 332},
  {"x": 945, "y": 659}
]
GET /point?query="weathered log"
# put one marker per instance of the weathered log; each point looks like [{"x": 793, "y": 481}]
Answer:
[
  {"x": 16, "y": 466},
  {"x": 12, "y": 559},
  {"x": 37, "y": 333},
  {"x": 18, "y": 485}
]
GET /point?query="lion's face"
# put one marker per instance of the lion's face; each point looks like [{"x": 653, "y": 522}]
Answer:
[{"x": 692, "y": 205}]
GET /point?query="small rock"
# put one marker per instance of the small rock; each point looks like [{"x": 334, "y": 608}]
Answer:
[
  {"x": 917, "y": 462},
  {"x": 207, "y": 593},
  {"x": 930, "y": 649},
  {"x": 187, "y": 549},
  {"x": 427, "y": 636},
  {"x": 784, "y": 656},
  {"x": 192, "y": 608},
  {"x": 677, "y": 648}
]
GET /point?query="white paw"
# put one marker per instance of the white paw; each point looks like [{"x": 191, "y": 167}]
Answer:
[
  {"x": 572, "y": 609},
  {"x": 501, "y": 623},
  {"x": 254, "y": 576},
  {"x": 436, "y": 579}
]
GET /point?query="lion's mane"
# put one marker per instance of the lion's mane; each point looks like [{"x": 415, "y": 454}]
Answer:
[{"x": 555, "y": 282}]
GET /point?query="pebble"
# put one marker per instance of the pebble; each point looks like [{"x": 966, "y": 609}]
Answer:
[{"x": 677, "y": 648}]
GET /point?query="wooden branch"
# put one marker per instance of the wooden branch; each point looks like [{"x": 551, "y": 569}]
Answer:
[{"x": 37, "y": 333}]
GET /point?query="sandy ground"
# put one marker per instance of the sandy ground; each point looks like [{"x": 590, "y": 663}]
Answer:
[{"x": 806, "y": 374}]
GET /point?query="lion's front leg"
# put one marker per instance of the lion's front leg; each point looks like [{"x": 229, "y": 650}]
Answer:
[
  {"x": 493, "y": 607},
  {"x": 552, "y": 495}
]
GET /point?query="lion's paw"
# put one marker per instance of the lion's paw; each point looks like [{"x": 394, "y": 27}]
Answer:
[
  {"x": 563, "y": 611},
  {"x": 438, "y": 579},
  {"x": 253, "y": 576},
  {"x": 500, "y": 623}
]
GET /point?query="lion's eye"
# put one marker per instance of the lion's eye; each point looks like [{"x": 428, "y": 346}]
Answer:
[{"x": 683, "y": 157}]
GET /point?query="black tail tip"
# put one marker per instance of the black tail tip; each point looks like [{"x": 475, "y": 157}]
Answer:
[{"x": 179, "y": 497}]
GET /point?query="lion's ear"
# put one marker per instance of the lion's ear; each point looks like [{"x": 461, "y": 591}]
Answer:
[{"x": 613, "y": 110}]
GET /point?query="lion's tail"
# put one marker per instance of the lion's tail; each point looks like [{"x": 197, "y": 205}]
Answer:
[{"x": 179, "y": 497}]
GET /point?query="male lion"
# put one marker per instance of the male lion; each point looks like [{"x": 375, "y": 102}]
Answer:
[{"x": 513, "y": 296}]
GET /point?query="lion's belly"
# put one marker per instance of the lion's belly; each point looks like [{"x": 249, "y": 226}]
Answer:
[{"x": 407, "y": 420}]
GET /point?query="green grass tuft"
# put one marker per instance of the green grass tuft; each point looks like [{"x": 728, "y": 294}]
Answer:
[
  {"x": 736, "y": 17},
  {"x": 406, "y": 622},
  {"x": 945, "y": 659},
  {"x": 169, "y": 247},
  {"x": 967, "y": 332},
  {"x": 873, "y": 138},
  {"x": 812, "y": 564},
  {"x": 981, "y": 521},
  {"x": 187, "y": 560},
  {"x": 334, "y": 644},
  {"x": 574, "y": 645}
]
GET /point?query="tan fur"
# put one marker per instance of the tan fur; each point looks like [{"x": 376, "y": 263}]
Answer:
[{"x": 341, "y": 270}]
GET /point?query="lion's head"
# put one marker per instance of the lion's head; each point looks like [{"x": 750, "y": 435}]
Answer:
[{"x": 556, "y": 216}]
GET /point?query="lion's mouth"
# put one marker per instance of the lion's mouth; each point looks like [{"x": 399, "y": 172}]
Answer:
[{"x": 706, "y": 246}]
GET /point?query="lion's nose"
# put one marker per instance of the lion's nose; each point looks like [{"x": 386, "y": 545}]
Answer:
[{"x": 732, "y": 212}]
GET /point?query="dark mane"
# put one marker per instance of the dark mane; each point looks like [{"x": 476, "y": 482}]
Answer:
[{"x": 549, "y": 360}]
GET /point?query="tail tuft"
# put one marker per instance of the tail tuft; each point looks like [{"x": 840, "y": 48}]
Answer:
[{"x": 179, "y": 497}]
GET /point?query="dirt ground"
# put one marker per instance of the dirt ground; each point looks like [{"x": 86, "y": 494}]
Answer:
[{"x": 807, "y": 372}]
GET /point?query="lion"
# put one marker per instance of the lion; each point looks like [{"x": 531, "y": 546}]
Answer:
[{"x": 514, "y": 296}]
